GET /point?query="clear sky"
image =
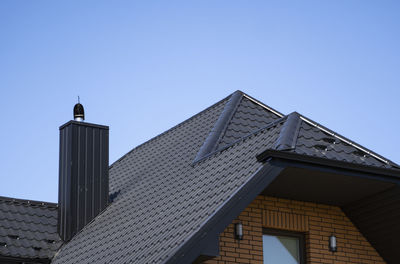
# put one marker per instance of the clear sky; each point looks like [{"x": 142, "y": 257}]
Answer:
[{"x": 143, "y": 67}]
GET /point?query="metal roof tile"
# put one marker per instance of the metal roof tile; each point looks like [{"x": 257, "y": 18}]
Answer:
[
  {"x": 28, "y": 229},
  {"x": 167, "y": 203},
  {"x": 162, "y": 197}
]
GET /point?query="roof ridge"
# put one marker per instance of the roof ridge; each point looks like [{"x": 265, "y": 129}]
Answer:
[
  {"x": 270, "y": 125},
  {"x": 218, "y": 131},
  {"x": 220, "y": 126},
  {"x": 27, "y": 202},
  {"x": 263, "y": 105},
  {"x": 289, "y": 132},
  {"x": 348, "y": 141}
]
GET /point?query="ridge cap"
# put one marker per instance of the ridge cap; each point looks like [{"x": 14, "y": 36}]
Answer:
[
  {"x": 219, "y": 128},
  {"x": 288, "y": 135},
  {"x": 240, "y": 140}
]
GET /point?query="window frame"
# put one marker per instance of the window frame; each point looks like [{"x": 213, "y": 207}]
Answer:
[{"x": 299, "y": 235}]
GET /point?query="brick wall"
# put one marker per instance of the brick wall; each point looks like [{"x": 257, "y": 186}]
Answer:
[{"x": 316, "y": 221}]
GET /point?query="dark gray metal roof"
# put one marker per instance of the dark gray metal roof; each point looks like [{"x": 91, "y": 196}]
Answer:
[
  {"x": 299, "y": 134},
  {"x": 28, "y": 229},
  {"x": 315, "y": 142},
  {"x": 247, "y": 118},
  {"x": 162, "y": 198}
]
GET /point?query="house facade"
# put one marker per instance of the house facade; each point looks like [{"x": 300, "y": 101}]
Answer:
[
  {"x": 313, "y": 222},
  {"x": 237, "y": 183}
]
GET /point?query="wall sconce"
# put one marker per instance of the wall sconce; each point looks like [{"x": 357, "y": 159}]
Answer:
[
  {"x": 239, "y": 231},
  {"x": 332, "y": 244}
]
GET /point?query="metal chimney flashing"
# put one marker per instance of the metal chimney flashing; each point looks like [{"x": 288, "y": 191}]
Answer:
[{"x": 83, "y": 124}]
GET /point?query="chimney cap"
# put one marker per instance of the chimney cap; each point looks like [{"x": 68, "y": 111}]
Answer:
[{"x": 79, "y": 112}]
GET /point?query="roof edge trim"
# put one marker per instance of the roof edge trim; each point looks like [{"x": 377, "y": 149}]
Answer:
[
  {"x": 270, "y": 153},
  {"x": 225, "y": 213},
  {"x": 263, "y": 105},
  {"x": 348, "y": 141}
]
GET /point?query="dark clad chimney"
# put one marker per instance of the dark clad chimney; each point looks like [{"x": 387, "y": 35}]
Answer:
[{"x": 83, "y": 174}]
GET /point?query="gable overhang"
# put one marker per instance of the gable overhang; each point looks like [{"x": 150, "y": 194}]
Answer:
[
  {"x": 369, "y": 196},
  {"x": 324, "y": 164},
  {"x": 204, "y": 243},
  {"x": 325, "y": 181}
]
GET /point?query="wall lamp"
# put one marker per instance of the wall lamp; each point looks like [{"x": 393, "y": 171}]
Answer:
[
  {"x": 239, "y": 231},
  {"x": 332, "y": 244}
]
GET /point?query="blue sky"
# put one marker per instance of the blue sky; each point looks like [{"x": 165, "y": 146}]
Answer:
[{"x": 143, "y": 67}]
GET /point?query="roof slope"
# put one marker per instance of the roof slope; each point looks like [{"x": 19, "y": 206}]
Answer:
[
  {"x": 300, "y": 134},
  {"x": 28, "y": 229},
  {"x": 317, "y": 142},
  {"x": 162, "y": 198},
  {"x": 248, "y": 117}
]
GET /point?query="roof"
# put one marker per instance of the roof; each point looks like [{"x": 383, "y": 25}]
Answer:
[
  {"x": 300, "y": 135},
  {"x": 167, "y": 190},
  {"x": 28, "y": 229}
]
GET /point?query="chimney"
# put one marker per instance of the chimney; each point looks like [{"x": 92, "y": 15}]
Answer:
[{"x": 83, "y": 173}]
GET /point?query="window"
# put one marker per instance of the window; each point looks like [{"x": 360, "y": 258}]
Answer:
[{"x": 283, "y": 247}]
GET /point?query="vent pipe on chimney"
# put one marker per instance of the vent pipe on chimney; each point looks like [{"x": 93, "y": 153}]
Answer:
[
  {"x": 79, "y": 112},
  {"x": 83, "y": 173}
]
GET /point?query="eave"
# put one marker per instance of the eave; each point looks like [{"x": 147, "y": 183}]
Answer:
[{"x": 375, "y": 184}]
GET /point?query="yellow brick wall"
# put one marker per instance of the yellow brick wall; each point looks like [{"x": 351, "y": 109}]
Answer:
[{"x": 316, "y": 221}]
